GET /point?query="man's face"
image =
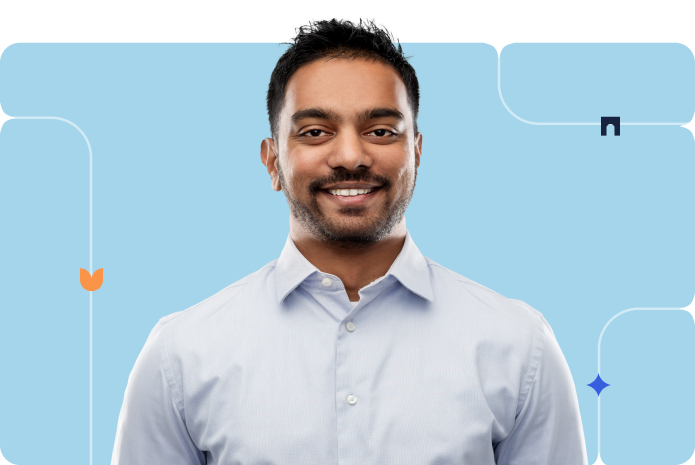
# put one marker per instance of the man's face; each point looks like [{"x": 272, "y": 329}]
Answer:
[{"x": 346, "y": 128}]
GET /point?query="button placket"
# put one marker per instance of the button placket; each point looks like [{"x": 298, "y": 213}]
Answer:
[{"x": 349, "y": 386}]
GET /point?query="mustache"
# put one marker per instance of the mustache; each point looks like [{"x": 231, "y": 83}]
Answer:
[{"x": 345, "y": 176}]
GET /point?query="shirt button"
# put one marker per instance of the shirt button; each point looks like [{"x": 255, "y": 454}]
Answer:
[
  {"x": 351, "y": 399},
  {"x": 350, "y": 326},
  {"x": 326, "y": 282}
]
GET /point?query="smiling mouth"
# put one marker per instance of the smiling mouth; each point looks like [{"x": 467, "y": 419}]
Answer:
[
  {"x": 350, "y": 192},
  {"x": 351, "y": 196}
]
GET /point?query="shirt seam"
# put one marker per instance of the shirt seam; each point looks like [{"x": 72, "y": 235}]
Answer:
[
  {"x": 165, "y": 365},
  {"x": 466, "y": 281},
  {"x": 166, "y": 319},
  {"x": 177, "y": 393},
  {"x": 174, "y": 389},
  {"x": 539, "y": 347},
  {"x": 470, "y": 281}
]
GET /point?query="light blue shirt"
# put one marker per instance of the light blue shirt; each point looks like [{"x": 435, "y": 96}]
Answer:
[{"x": 279, "y": 368}]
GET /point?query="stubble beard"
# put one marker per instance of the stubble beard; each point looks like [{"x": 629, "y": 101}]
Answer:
[{"x": 362, "y": 232}]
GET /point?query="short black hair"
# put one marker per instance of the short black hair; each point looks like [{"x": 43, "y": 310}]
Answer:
[{"x": 339, "y": 39}]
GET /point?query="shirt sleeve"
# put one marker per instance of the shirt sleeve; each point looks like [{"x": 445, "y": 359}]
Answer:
[
  {"x": 151, "y": 426},
  {"x": 548, "y": 429}
]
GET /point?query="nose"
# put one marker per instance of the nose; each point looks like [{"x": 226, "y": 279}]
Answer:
[{"x": 349, "y": 151}]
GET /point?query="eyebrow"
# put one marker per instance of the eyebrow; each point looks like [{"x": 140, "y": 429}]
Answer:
[
  {"x": 367, "y": 115},
  {"x": 318, "y": 113},
  {"x": 376, "y": 113}
]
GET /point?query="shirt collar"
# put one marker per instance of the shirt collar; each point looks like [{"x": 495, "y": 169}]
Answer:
[{"x": 410, "y": 268}]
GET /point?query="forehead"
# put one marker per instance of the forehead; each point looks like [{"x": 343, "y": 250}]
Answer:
[{"x": 345, "y": 86}]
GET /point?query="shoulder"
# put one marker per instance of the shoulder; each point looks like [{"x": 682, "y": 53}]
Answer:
[
  {"x": 469, "y": 297},
  {"x": 509, "y": 331},
  {"x": 211, "y": 308}
]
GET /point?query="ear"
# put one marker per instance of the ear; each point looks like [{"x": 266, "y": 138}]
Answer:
[
  {"x": 270, "y": 159},
  {"x": 418, "y": 148}
]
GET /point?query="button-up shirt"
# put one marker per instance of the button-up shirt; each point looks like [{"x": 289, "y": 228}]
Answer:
[{"x": 279, "y": 368}]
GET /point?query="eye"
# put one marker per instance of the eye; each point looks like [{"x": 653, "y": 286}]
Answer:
[
  {"x": 312, "y": 133},
  {"x": 382, "y": 133}
]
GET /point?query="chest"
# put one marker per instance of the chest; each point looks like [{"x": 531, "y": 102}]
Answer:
[{"x": 364, "y": 393}]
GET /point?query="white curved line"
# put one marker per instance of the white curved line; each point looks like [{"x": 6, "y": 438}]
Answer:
[
  {"x": 600, "y": 338},
  {"x": 89, "y": 147},
  {"x": 499, "y": 91},
  {"x": 616, "y": 316}
]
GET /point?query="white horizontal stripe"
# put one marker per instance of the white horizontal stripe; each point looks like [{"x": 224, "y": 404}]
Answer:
[
  {"x": 408, "y": 37},
  {"x": 545, "y": 28}
]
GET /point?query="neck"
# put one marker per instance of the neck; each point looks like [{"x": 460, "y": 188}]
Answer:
[{"x": 356, "y": 268}]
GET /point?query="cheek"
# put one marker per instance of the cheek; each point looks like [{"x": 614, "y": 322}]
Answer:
[
  {"x": 403, "y": 172},
  {"x": 306, "y": 165},
  {"x": 299, "y": 176}
]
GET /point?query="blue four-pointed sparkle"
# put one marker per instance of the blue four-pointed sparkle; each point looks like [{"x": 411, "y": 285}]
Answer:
[{"x": 598, "y": 385}]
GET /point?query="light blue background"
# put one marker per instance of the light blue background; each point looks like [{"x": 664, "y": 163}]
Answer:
[{"x": 578, "y": 225}]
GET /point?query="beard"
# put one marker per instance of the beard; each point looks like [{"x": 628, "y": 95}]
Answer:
[{"x": 362, "y": 231}]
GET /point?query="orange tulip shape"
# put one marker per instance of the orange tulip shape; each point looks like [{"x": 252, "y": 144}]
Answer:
[{"x": 91, "y": 282}]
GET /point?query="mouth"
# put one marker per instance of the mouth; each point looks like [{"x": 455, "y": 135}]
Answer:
[{"x": 351, "y": 196}]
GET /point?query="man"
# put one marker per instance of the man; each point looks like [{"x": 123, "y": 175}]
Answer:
[{"x": 351, "y": 347}]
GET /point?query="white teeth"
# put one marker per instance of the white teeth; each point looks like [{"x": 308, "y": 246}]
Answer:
[{"x": 350, "y": 192}]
